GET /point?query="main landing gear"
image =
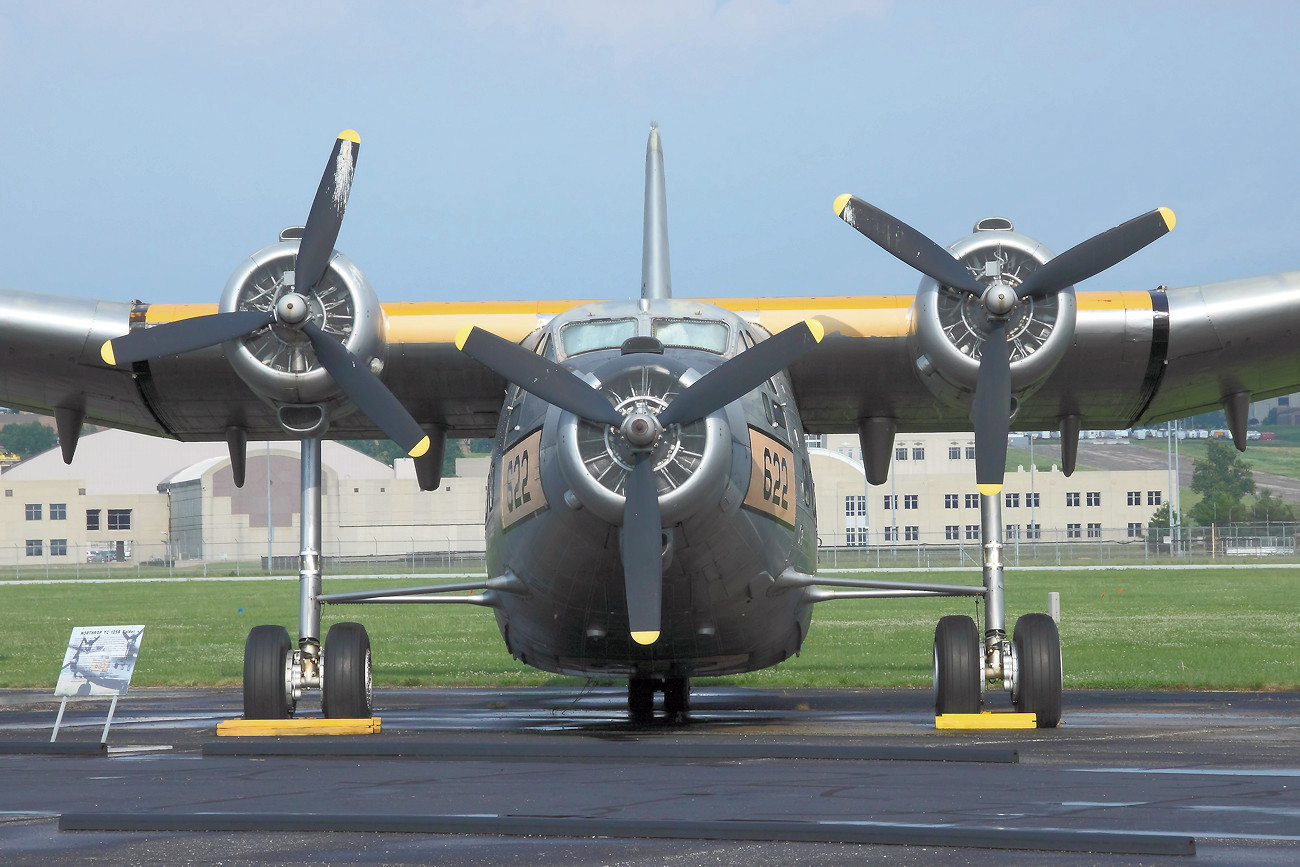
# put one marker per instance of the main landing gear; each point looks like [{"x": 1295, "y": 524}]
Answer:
[
  {"x": 1029, "y": 666},
  {"x": 275, "y": 674},
  {"x": 641, "y": 698}
]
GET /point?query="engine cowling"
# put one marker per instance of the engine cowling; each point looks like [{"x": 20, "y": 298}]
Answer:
[
  {"x": 278, "y": 361},
  {"x": 951, "y": 326}
]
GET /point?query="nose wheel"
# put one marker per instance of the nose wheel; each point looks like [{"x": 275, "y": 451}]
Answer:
[
  {"x": 641, "y": 698},
  {"x": 958, "y": 666}
]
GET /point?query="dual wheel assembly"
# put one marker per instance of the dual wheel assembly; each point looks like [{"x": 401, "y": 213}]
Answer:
[
  {"x": 1034, "y": 667},
  {"x": 270, "y": 668},
  {"x": 641, "y": 697}
]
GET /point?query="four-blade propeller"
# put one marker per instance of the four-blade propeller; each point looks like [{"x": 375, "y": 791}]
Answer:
[
  {"x": 292, "y": 310},
  {"x": 642, "y": 543},
  {"x": 991, "y": 407}
]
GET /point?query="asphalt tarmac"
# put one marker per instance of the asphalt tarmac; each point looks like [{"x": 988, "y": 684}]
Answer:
[{"x": 558, "y": 776}]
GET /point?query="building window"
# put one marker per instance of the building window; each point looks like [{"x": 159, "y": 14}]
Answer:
[
  {"x": 1135, "y": 498},
  {"x": 891, "y": 534},
  {"x": 972, "y": 501},
  {"x": 918, "y": 453},
  {"x": 58, "y": 547},
  {"x": 1072, "y": 498},
  {"x": 1013, "y": 501},
  {"x": 970, "y": 453},
  {"x": 1033, "y": 531},
  {"x": 33, "y": 511},
  {"x": 1013, "y": 531},
  {"x": 952, "y": 532},
  {"x": 855, "y": 506},
  {"x": 950, "y": 501},
  {"x": 92, "y": 519},
  {"x": 910, "y": 501},
  {"x": 58, "y": 512},
  {"x": 900, "y": 453},
  {"x": 912, "y": 534},
  {"x": 1094, "y": 498},
  {"x": 1073, "y": 531},
  {"x": 34, "y": 547},
  {"x": 855, "y": 538},
  {"x": 1134, "y": 531},
  {"x": 972, "y": 531},
  {"x": 1153, "y": 498},
  {"x": 1033, "y": 500},
  {"x": 954, "y": 453},
  {"x": 119, "y": 519},
  {"x": 891, "y": 501},
  {"x": 1094, "y": 531}
]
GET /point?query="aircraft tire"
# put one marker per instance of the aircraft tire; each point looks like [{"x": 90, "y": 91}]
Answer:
[
  {"x": 1038, "y": 661},
  {"x": 266, "y": 654},
  {"x": 346, "y": 689},
  {"x": 958, "y": 665},
  {"x": 677, "y": 696},
  {"x": 640, "y": 698}
]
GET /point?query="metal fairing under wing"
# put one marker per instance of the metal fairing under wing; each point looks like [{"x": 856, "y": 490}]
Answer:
[{"x": 650, "y": 509}]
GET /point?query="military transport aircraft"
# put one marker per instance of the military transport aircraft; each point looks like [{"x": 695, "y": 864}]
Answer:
[{"x": 650, "y": 509}]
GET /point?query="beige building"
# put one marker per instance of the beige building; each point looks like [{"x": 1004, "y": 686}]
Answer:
[
  {"x": 133, "y": 498},
  {"x": 930, "y": 497}
]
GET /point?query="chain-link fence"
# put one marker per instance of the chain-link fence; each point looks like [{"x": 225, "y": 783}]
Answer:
[{"x": 1235, "y": 543}]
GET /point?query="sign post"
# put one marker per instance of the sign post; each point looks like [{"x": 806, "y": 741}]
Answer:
[{"x": 99, "y": 662}]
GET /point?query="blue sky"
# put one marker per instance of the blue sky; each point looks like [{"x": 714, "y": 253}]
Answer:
[{"x": 150, "y": 146}]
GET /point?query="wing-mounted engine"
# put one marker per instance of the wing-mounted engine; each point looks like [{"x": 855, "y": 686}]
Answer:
[
  {"x": 984, "y": 310},
  {"x": 952, "y": 326},
  {"x": 278, "y": 361}
]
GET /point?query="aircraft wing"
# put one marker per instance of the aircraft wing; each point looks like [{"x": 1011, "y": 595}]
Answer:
[{"x": 1135, "y": 357}]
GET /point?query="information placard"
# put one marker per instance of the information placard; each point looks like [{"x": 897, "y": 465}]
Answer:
[{"x": 99, "y": 661}]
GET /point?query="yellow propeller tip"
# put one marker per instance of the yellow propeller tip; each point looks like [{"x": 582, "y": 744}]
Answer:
[
  {"x": 646, "y": 637},
  {"x": 1169, "y": 218},
  {"x": 463, "y": 335},
  {"x": 841, "y": 203},
  {"x": 420, "y": 448},
  {"x": 106, "y": 353},
  {"x": 350, "y": 135},
  {"x": 817, "y": 329},
  {"x": 990, "y": 490}
]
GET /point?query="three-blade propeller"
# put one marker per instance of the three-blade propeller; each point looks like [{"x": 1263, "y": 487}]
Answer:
[
  {"x": 292, "y": 310},
  {"x": 641, "y": 536},
  {"x": 991, "y": 407}
]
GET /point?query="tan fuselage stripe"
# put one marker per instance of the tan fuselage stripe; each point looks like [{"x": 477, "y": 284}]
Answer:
[{"x": 856, "y": 316}]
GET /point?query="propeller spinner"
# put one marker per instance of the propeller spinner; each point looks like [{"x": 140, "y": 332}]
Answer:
[
  {"x": 642, "y": 522},
  {"x": 292, "y": 311},
  {"x": 991, "y": 407}
]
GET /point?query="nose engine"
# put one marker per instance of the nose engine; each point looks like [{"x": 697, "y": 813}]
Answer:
[{"x": 690, "y": 459}]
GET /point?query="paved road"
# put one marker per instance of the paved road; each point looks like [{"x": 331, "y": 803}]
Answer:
[{"x": 1126, "y": 769}]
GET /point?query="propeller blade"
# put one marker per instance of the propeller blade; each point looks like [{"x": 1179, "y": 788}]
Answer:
[
  {"x": 642, "y": 547},
  {"x": 538, "y": 376},
  {"x": 183, "y": 335},
  {"x": 367, "y": 391},
  {"x": 743, "y": 373},
  {"x": 1097, "y": 254},
  {"x": 906, "y": 244},
  {"x": 991, "y": 411},
  {"x": 326, "y": 215}
]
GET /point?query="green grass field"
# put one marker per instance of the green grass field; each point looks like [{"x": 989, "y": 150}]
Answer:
[{"x": 1126, "y": 628}]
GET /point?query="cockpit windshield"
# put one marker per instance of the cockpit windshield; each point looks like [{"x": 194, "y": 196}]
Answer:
[
  {"x": 589, "y": 336},
  {"x": 708, "y": 335}
]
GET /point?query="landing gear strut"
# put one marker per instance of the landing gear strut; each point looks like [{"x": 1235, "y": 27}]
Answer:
[{"x": 275, "y": 675}]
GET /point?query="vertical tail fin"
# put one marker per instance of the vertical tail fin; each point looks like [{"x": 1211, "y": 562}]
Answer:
[{"x": 655, "y": 279}]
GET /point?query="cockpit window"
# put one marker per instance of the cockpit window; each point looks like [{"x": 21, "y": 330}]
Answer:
[
  {"x": 692, "y": 334},
  {"x": 598, "y": 334}
]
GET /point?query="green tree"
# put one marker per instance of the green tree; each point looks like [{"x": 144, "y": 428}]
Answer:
[
  {"x": 1158, "y": 525},
  {"x": 27, "y": 439},
  {"x": 1222, "y": 479},
  {"x": 1268, "y": 508}
]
